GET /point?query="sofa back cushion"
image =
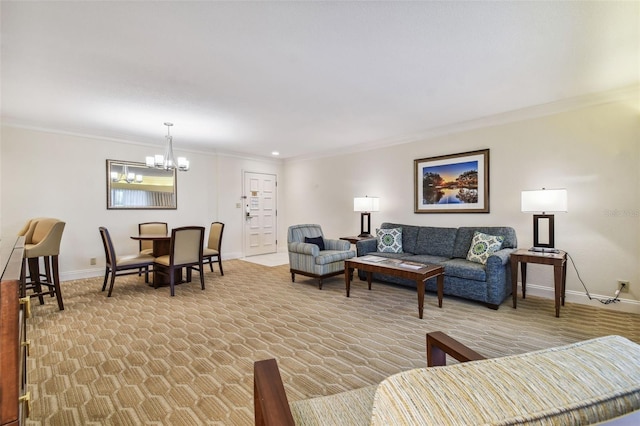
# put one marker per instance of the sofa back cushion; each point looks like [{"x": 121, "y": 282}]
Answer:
[
  {"x": 409, "y": 235},
  {"x": 465, "y": 235},
  {"x": 436, "y": 241}
]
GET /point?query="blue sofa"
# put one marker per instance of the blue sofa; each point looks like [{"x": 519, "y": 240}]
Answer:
[{"x": 489, "y": 284}]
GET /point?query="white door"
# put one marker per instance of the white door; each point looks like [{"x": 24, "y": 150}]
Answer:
[{"x": 260, "y": 212}]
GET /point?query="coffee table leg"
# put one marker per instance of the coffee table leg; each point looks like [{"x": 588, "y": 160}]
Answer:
[
  {"x": 369, "y": 277},
  {"x": 440, "y": 289},
  {"x": 420, "y": 286},
  {"x": 347, "y": 278}
]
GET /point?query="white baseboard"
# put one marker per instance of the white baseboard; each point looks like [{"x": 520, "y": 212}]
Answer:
[{"x": 623, "y": 305}]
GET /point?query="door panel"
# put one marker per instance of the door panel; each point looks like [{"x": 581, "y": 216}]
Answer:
[{"x": 260, "y": 213}]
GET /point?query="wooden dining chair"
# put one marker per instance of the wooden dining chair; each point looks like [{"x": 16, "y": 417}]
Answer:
[
  {"x": 214, "y": 244},
  {"x": 186, "y": 252},
  {"x": 160, "y": 228},
  {"x": 122, "y": 265}
]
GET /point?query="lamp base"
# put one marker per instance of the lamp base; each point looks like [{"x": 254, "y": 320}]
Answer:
[
  {"x": 365, "y": 235},
  {"x": 544, "y": 250}
]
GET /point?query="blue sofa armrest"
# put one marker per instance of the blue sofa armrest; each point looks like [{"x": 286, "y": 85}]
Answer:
[
  {"x": 340, "y": 245},
  {"x": 500, "y": 258},
  {"x": 366, "y": 246}
]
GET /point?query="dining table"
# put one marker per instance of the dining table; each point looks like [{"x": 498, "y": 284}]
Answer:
[{"x": 161, "y": 247}]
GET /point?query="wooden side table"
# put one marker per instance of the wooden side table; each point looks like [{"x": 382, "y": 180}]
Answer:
[
  {"x": 354, "y": 239},
  {"x": 559, "y": 262}
]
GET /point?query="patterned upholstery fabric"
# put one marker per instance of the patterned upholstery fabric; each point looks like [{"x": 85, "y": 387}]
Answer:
[
  {"x": 344, "y": 409},
  {"x": 582, "y": 383},
  {"x": 309, "y": 258},
  {"x": 489, "y": 283}
]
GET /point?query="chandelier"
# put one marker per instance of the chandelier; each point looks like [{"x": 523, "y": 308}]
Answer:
[
  {"x": 168, "y": 161},
  {"x": 126, "y": 176}
]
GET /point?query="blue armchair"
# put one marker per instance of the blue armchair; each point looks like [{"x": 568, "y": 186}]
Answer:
[{"x": 312, "y": 260}]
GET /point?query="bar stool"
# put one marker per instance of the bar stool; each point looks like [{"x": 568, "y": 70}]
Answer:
[{"x": 43, "y": 240}]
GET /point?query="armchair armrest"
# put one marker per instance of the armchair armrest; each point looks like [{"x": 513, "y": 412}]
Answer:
[
  {"x": 304, "y": 248},
  {"x": 439, "y": 345},
  {"x": 341, "y": 245},
  {"x": 271, "y": 406}
]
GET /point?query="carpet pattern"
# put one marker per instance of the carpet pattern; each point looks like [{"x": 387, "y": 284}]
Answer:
[{"x": 143, "y": 357}]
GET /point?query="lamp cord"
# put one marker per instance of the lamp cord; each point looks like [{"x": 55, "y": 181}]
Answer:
[{"x": 613, "y": 299}]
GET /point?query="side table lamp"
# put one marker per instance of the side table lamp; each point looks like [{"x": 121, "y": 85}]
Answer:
[
  {"x": 544, "y": 201},
  {"x": 365, "y": 205}
]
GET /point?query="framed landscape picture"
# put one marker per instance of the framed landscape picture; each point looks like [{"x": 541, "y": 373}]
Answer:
[{"x": 456, "y": 183}]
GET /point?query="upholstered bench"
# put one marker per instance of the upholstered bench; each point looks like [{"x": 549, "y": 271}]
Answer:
[{"x": 582, "y": 383}]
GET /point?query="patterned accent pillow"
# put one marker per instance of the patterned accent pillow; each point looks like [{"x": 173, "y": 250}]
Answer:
[
  {"x": 389, "y": 240},
  {"x": 483, "y": 246}
]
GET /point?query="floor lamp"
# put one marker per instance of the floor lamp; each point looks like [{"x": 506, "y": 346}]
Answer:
[
  {"x": 544, "y": 201},
  {"x": 365, "y": 205}
]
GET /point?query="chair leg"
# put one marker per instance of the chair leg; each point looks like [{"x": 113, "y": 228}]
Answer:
[
  {"x": 113, "y": 280},
  {"x": 320, "y": 284},
  {"x": 106, "y": 276},
  {"x": 34, "y": 273},
  {"x": 47, "y": 270},
  {"x": 172, "y": 281},
  {"x": 293, "y": 277},
  {"x": 56, "y": 282},
  {"x": 201, "y": 270},
  {"x": 211, "y": 263},
  {"x": 220, "y": 264}
]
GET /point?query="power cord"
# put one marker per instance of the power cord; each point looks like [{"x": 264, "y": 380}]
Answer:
[{"x": 613, "y": 299}]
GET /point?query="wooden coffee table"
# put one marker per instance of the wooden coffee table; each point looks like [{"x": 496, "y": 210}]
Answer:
[{"x": 394, "y": 267}]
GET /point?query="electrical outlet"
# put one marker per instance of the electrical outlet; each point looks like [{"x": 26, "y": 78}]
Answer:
[
  {"x": 92, "y": 261},
  {"x": 624, "y": 289}
]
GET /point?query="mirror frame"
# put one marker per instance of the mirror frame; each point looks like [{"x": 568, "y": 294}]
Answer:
[{"x": 172, "y": 205}]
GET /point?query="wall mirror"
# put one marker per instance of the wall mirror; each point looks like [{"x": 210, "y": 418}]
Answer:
[{"x": 133, "y": 185}]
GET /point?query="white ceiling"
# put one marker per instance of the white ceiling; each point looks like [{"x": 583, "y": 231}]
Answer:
[{"x": 303, "y": 78}]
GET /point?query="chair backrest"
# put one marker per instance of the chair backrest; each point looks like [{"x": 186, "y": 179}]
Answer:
[
  {"x": 186, "y": 245},
  {"x": 160, "y": 228},
  {"x": 296, "y": 233},
  {"x": 109, "y": 251},
  {"x": 215, "y": 236},
  {"x": 46, "y": 236}
]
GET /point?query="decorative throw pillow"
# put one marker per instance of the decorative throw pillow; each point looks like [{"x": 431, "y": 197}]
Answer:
[
  {"x": 315, "y": 240},
  {"x": 483, "y": 246},
  {"x": 389, "y": 240}
]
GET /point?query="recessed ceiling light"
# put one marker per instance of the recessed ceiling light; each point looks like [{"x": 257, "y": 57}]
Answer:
[{"x": 275, "y": 153}]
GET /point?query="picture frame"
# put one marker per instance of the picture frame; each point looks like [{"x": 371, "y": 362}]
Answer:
[
  {"x": 134, "y": 186},
  {"x": 456, "y": 183}
]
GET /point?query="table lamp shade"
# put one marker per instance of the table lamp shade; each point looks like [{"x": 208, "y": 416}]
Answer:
[
  {"x": 366, "y": 204},
  {"x": 544, "y": 200}
]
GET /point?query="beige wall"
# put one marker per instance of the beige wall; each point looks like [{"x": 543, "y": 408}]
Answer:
[{"x": 593, "y": 152}]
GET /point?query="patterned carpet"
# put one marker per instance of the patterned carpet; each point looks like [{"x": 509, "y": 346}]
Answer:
[{"x": 142, "y": 357}]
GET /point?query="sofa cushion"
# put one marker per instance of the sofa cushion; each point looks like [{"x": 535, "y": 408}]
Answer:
[
  {"x": 582, "y": 383},
  {"x": 426, "y": 259},
  {"x": 315, "y": 240},
  {"x": 345, "y": 408},
  {"x": 482, "y": 246},
  {"x": 465, "y": 269},
  {"x": 409, "y": 235},
  {"x": 389, "y": 240},
  {"x": 465, "y": 235},
  {"x": 435, "y": 241}
]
